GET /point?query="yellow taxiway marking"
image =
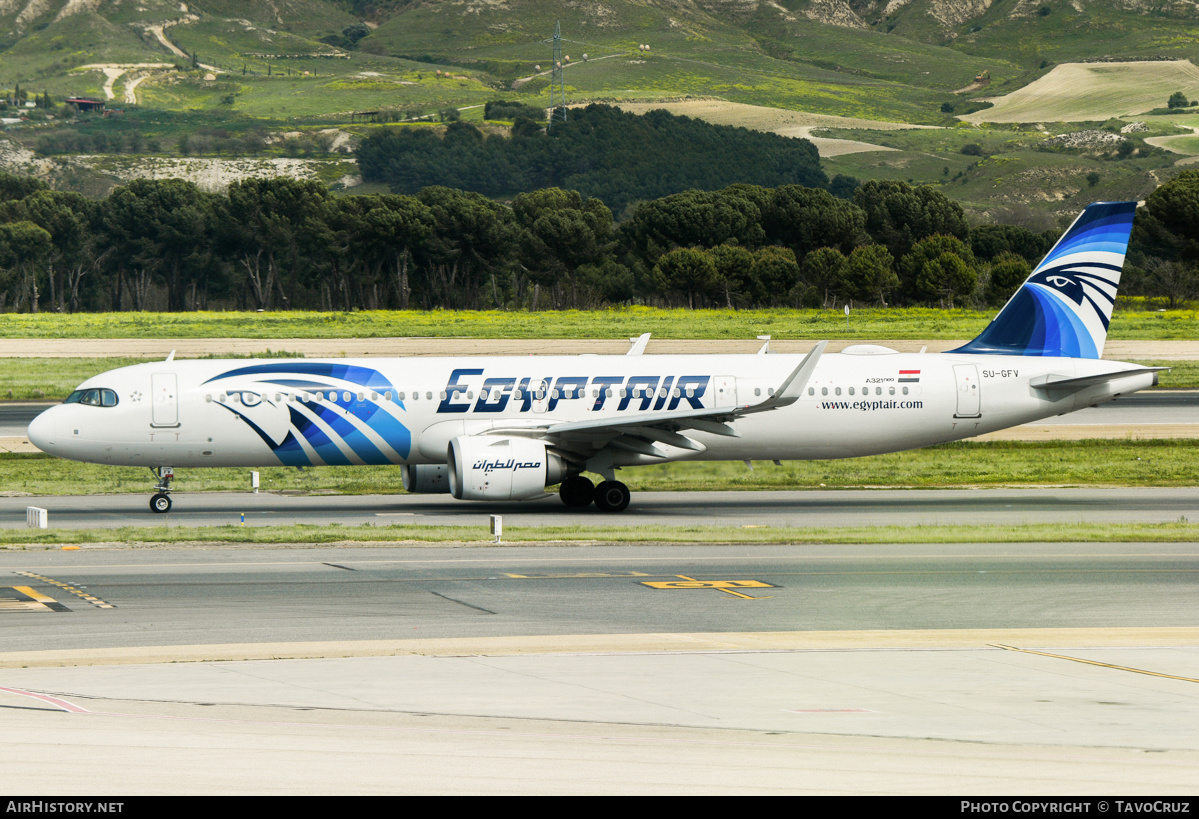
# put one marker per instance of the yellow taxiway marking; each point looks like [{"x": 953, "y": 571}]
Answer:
[
  {"x": 725, "y": 586},
  {"x": 1096, "y": 662},
  {"x": 95, "y": 601},
  {"x": 30, "y": 600}
]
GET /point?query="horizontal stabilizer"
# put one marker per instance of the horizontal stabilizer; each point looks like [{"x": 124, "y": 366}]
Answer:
[{"x": 1053, "y": 383}]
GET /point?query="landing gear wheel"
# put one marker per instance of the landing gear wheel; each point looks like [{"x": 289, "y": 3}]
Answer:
[
  {"x": 577, "y": 492},
  {"x": 160, "y": 503},
  {"x": 612, "y": 496}
]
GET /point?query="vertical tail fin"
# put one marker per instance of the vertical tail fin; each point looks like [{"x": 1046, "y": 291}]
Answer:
[{"x": 1065, "y": 306}]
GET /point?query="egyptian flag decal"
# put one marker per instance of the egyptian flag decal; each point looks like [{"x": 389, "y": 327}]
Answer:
[{"x": 909, "y": 376}]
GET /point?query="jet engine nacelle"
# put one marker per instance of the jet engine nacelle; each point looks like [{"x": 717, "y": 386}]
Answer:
[
  {"x": 426, "y": 479},
  {"x": 484, "y": 468}
]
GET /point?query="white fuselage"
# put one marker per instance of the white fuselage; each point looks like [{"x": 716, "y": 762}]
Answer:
[{"x": 406, "y": 410}]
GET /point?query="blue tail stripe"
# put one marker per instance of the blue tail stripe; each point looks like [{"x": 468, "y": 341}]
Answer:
[
  {"x": 1064, "y": 308},
  {"x": 1106, "y": 230}
]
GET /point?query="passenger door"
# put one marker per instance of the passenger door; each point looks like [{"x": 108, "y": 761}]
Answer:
[{"x": 164, "y": 388}]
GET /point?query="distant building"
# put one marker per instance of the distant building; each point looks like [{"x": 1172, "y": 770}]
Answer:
[{"x": 84, "y": 104}]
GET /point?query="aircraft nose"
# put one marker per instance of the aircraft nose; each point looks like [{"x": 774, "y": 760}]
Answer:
[{"x": 41, "y": 431}]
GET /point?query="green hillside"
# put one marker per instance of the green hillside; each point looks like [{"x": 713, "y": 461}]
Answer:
[
  {"x": 815, "y": 55},
  {"x": 288, "y": 66}
]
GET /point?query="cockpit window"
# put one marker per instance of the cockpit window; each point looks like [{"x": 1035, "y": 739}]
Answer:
[{"x": 93, "y": 397}]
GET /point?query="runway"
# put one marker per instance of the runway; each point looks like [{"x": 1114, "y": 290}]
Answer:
[
  {"x": 251, "y": 595},
  {"x": 1018, "y": 669},
  {"x": 803, "y": 508}
]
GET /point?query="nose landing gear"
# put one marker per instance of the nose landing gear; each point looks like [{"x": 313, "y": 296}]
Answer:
[{"x": 161, "y": 501}]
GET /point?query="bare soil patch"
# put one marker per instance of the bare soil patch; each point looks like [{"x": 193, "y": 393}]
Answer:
[
  {"x": 1075, "y": 92},
  {"x": 776, "y": 121}
]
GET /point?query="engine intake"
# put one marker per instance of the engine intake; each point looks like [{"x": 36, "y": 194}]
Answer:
[
  {"x": 484, "y": 468},
  {"x": 426, "y": 479}
]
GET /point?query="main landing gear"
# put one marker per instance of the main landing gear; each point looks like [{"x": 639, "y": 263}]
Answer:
[
  {"x": 161, "y": 501},
  {"x": 578, "y": 492}
]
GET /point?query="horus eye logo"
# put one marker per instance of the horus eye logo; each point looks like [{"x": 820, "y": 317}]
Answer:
[{"x": 1058, "y": 281}]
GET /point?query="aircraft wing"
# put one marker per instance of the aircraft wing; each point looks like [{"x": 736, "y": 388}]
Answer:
[{"x": 641, "y": 432}]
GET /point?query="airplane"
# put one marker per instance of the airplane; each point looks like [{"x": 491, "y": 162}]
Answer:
[{"x": 508, "y": 428}]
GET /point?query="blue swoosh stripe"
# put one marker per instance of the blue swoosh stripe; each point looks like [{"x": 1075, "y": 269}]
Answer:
[
  {"x": 353, "y": 437},
  {"x": 325, "y": 449}
]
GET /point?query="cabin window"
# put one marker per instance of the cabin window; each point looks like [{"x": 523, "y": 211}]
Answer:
[
  {"x": 851, "y": 390},
  {"x": 811, "y": 390},
  {"x": 905, "y": 390},
  {"x": 429, "y": 395},
  {"x": 837, "y": 390},
  {"x": 757, "y": 390},
  {"x": 347, "y": 397},
  {"x": 208, "y": 399},
  {"x": 824, "y": 390},
  {"x": 890, "y": 390}
]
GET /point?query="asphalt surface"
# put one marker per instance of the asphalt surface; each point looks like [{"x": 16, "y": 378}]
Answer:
[
  {"x": 806, "y": 508},
  {"x": 221, "y": 596},
  {"x": 1014, "y": 669}
]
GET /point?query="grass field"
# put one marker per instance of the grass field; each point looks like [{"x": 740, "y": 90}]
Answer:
[
  {"x": 992, "y": 463},
  {"x": 616, "y": 323},
  {"x": 585, "y": 534}
]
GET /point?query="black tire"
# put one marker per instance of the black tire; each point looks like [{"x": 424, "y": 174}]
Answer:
[
  {"x": 612, "y": 496},
  {"x": 160, "y": 503},
  {"x": 577, "y": 492}
]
